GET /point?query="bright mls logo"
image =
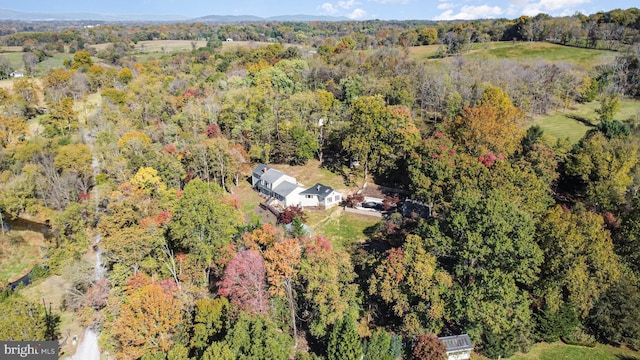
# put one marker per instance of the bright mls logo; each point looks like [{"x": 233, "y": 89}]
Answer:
[{"x": 32, "y": 350}]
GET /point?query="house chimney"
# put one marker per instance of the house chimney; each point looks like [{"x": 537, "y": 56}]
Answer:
[
  {"x": 318, "y": 187},
  {"x": 264, "y": 170}
]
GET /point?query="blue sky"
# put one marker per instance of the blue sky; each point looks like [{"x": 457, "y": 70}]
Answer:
[{"x": 354, "y": 9}]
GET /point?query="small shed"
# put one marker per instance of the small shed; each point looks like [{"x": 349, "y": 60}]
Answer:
[
  {"x": 229, "y": 40},
  {"x": 459, "y": 347}
]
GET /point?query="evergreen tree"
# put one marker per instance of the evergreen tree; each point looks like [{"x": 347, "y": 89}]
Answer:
[{"x": 344, "y": 342}]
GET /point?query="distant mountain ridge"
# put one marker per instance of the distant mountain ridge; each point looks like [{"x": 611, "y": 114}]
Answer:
[{"x": 8, "y": 14}]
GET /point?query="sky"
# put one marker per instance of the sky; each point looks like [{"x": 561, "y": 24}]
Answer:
[{"x": 353, "y": 9}]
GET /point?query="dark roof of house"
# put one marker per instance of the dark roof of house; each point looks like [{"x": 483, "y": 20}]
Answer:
[
  {"x": 457, "y": 343},
  {"x": 322, "y": 191},
  {"x": 285, "y": 188},
  {"x": 261, "y": 168},
  {"x": 271, "y": 175}
]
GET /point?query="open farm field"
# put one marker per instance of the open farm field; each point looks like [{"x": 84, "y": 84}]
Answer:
[
  {"x": 17, "y": 63},
  {"x": 11, "y": 49},
  {"x": 525, "y": 51},
  {"x": 561, "y": 351},
  {"x": 573, "y": 123}
]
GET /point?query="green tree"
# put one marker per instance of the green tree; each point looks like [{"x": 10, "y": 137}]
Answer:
[
  {"x": 23, "y": 320},
  {"x": 203, "y": 223},
  {"x": 344, "y": 342},
  {"x": 378, "y": 346},
  {"x": 609, "y": 105},
  {"x": 603, "y": 169},
  {"x": 209, "y": 323},
  {"x": 614, "y": 316},
  {"x": 580, "y": 263},
  {"x": 486, "y": 243},
  {"x": 326, "y": 278},
  {"x": 378, "y": 135},
  {"x": 256, "y": 337}
]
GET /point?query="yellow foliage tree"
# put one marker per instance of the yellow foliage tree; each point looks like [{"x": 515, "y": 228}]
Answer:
[{"x": 147, "y": 322}]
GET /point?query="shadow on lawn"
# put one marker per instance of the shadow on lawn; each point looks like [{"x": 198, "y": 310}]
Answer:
[{"x": 581, "y": 119}]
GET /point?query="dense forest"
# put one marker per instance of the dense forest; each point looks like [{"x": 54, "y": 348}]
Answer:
[{"x": 531, "y": 238}]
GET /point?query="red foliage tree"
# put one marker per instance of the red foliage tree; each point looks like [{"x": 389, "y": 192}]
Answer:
[
  {"x": 290, "y": 213},
  {"x": 390, "y": 201},
  {"x": 428, "y": 347},
  {"x": 213, "y": 131},
  {"x": 98, "y": 293},
  {"x": 244, "y": 282},
  {"x": 355, "y": 200}
]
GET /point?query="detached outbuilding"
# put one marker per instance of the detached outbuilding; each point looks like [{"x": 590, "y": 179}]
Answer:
[{"x": 459, "y": 347}]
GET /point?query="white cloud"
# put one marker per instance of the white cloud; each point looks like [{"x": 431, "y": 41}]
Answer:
[
  {"x": 348, "y": 4},
  {"x": 561, "y": 4},
  {"x": 446, "y": 5},
  {"x": 357, "y": 14},
  {"x": 328, "y": 7},
  {"x": 472, "y": 12},
  {"x": 553, "y": 7},
  {"x": 392, "y": 1}
]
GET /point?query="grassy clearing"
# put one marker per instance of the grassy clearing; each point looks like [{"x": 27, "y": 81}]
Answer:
[
  {"x": 342, "y": 228},
  {"x": 312, "y": 173},
  {"x": 87, "y": 106},
  {"x": 19, "y": 252},
  {"x": 564, "y": 124},
  {"x": 559, "y": 351},
  {"x": 17, "y": 63},
  {"x": 525, "y": 51}
]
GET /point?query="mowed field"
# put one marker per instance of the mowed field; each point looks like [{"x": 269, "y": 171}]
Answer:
[
  {"x": 525, "y": 51},
  {"x": 560, "y": 351},
  {"x": 570, "y": 123}
]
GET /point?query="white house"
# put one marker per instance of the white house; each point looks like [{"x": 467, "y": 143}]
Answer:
[
  {"x": 16, "y": 74},
  {"x": 284, "y": 188},
  {"x": 288, "y": 193},
  {"x": 270, "y": 179},
  {"x": 459, "y": 347},
  {"x": 320, "y": 195}
]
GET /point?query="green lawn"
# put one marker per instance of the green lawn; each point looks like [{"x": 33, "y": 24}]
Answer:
[
  {"x": 19, "y": 252},
  {"x": 563, "y": 124},
  {"x": 560, "y": 351},
  {"x": 525, "y": 51},
  {"x": 342, "y": 228}
]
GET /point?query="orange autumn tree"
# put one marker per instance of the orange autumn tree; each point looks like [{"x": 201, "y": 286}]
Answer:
[
  {"x": 261, "y": 238},
  {"x": 148, "y": 321},
  {"x": 493, "y": 125},
  {"x": 282, "y": 261}
]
